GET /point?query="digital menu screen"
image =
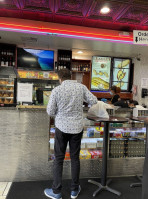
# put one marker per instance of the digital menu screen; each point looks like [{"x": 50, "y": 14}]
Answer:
[
  {"x": 100, "y": 76},
  {"x": 121, "y": 72}
]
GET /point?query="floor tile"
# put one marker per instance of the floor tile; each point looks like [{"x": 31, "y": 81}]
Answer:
[
  {"x": 2, "y": 187},
  {"x": 7, "y": 188}
]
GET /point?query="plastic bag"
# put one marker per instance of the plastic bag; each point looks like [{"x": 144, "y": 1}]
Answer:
[{"x": 99, "y": 110}]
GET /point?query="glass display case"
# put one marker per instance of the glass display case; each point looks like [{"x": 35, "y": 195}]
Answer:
[
  {"x": 6, "y": 91},
  {"x": 126, "y": 140}
]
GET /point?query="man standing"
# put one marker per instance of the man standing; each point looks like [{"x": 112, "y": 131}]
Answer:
[{"x": 66, "y": 104}]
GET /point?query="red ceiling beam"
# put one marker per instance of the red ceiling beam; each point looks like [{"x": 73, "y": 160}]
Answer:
[{"x": 38, "y": 27}]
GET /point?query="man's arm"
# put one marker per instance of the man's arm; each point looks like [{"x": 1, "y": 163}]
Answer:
[
  {"x": 89, "y": 97},
  {"x": 52, "y": 105}
]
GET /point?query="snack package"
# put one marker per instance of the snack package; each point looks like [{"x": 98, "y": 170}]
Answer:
[
  {"x": 84, "y": 154},
  {"x": 67, "y": 156},
  {"x": 95, "y": 154},
  {"x": 52, "y": 156}
]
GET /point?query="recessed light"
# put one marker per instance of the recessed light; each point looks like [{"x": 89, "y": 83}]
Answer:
[
  {"x": 79, "y": 52},
  {"x": 105, "y": 10}
]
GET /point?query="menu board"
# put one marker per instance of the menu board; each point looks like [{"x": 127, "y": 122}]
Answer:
[
  {"x": 100, "y": 79},
  {"x": 121, "y": 72}
]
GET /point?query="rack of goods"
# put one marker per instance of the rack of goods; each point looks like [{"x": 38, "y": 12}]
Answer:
[
  {"x": 127, "y": 140},
  {"x": 6, "y": 91},
  {"x": 81, "y": 65},
  {"x": 81, "y": 71},
  {"x": 7, "y": 55},
  {"x": 64, "y": 59}
]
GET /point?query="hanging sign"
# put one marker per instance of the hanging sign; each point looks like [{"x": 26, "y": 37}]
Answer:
[{"x": 140, "y": 37}]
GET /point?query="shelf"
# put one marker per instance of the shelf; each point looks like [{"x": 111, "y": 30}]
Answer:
[
  {"x": 64, "y": 61},
  {"x": 7, "y": 55},
  {"x": 80, "y": 71},
  {"x": 8, "y": 85},
  {"x": 6, "y": 66},
  {"x": 7, "y": 78},
  {"x": 133, "y": 138},
  {"x": 9, "y": 91},
  {"x": 130, "y": 131},
  {"x": 6, "y": 97}
]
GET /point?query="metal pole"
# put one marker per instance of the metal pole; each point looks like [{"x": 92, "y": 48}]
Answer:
[{"x": 105, "y": 149}]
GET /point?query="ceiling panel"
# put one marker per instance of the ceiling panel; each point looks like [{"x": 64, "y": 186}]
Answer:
[
  {"x": 134, "y": 15},
  {"x": 71, "y": 7},
  {"x": 114, "y": 7},
  {"x": 37, "y": 5},
  {"x": 125, "y": 15},
  {"x": 8, "y": 4}
]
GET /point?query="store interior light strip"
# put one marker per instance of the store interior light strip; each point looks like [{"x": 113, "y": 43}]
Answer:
[{"x": 57, "y": 33}]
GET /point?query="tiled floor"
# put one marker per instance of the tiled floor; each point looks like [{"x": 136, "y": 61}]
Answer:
[{"x": 4, "y": 188}]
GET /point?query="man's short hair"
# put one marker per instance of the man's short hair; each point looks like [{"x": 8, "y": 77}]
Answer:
[{"x": 64, "y": 74}]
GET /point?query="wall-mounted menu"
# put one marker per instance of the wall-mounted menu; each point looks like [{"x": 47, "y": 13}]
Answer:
[
  {"x": 121, "y": 72},
  {"x": 100, "y": 79}
]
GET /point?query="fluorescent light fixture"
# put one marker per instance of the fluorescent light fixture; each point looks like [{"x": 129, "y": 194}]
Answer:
[
  {"x": 105, "y": 10},
  {"x": 29, "y": 59},
  {"x": 79, "y": 52}
]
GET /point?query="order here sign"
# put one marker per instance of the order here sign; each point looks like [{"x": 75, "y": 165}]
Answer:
[{"x": 140, "y": 37}]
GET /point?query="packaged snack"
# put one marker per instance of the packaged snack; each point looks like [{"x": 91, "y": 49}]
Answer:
[
  {"x": 52, "y": 156},
  {"x": 95, "y": 154},
  {"x": 67, "y": 156},
  {"x": 90, "y": 132},
  {"x": 84, "y": 154}
]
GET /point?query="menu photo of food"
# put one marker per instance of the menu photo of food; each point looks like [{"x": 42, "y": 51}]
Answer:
[
  {"x": 100, "y": 73},
  {"x": 121, "y": 73}
]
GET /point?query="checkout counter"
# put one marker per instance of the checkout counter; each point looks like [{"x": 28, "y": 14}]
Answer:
[{"x": 24, "y": 147}]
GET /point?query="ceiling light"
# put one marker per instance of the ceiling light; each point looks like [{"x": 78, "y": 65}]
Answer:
[
  {"x": 79, "y": 52},
  {"x": 105, "y": 10}
]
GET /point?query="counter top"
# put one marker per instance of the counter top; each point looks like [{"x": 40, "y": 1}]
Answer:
[
  {"x": 30, "y": 107},
  {"x": 111, "y": 119},
  {"x": 8, "y": 108},
  {"x": 24, "y": 107}
]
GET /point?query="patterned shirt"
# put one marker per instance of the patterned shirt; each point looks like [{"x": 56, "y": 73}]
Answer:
[{"x": 66, "y": 104}]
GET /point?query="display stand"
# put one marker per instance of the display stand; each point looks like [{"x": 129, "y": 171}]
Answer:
[{"x": 104, "y": 183}]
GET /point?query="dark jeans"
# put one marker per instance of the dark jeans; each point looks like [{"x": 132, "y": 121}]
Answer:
[{"x": 61, "y": 140}]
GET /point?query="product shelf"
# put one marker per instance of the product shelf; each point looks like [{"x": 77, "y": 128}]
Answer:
[
  {"x": 9, "y": 91},
  {"x": 8, "y": 85},
  {"x": 6, "y": 97}
]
